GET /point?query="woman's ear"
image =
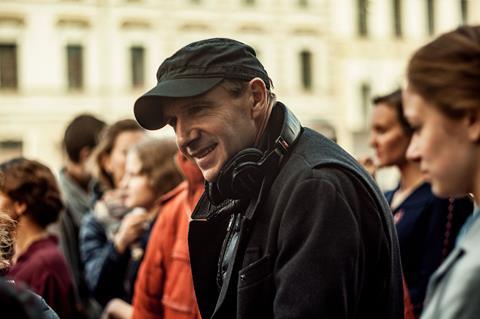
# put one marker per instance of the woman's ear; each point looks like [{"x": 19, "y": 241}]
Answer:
[
  {"x": 106, "y": 163},
  {"x": 474, "y": 125},
  {"x": 19, "y": 208},
  {"x": 259, "y": 95}
]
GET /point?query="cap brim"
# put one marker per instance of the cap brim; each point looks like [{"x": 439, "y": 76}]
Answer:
[{"x": 148, "y": 107}]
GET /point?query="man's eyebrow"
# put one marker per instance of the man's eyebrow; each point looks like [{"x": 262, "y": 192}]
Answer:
[{"x": 200, "y": 102}]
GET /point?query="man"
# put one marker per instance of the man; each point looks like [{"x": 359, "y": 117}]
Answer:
[
  {"x": 75, "y": 181},
  {"x": 290, "y": 226}
]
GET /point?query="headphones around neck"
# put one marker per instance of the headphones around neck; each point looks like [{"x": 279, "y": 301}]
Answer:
[{"x": 242, "y": 176}]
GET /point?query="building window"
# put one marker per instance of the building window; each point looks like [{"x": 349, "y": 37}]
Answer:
[
  {"x": 397, "y": 18},
  {"x": 303, "y": 3},
  {"x": 306, "y": 69},
  {"x": 362, "y": 17},
  {"x": 75, "y": 67},
  {"x": 8, "y": 66},
  {"x": 365, "y": 93},
  {"x": 137, "y": 55},
  {"x": 10, "y": 149},
  {"x": 430, "y": 17},
  {"x": 464, "y": 11}
]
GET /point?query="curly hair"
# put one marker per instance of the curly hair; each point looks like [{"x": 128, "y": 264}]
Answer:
[
  {"x": 7, "y": 242},
  {"x": 33, "y": 184},
  {"x": 446, "y": 71}
]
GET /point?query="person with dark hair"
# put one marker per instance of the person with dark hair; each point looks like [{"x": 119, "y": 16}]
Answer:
[
  {"x": 427, "y": 226},
  {"x": 76, "y": 183},
  {"x": 30, "y": 195},
  {"x": 290, "y": 225},
  {"x": 442, "y": 105}
]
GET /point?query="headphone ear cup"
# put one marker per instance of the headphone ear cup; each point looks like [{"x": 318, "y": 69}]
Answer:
[{"x": 241, "y": 174}]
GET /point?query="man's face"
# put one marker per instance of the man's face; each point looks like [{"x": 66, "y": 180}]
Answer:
[{"x": 213, "y": 127}]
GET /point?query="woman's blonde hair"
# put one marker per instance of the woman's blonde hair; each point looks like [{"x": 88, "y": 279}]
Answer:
[{"x": 7, "y": 242}]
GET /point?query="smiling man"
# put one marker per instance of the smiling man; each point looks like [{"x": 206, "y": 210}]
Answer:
[{"x": 289, "y": 226}]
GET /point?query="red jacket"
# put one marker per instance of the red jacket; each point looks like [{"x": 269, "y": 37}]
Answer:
[{"x": 164, "y": 286}]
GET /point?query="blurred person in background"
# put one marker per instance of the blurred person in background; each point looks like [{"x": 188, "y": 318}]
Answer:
[
  {"x": 426, "y": 225},
  {"x": 442, "y": 105},
  {"x": 164, "y": 287},
  {"x": 16, "y": 301},
  {"x": 30, "y": 195},
  {"x": 113, "y": 248},
  {"x": 76, "y": 184},
  {"x": 108, "y": 159},
  {"x": 107, "y": 165}
]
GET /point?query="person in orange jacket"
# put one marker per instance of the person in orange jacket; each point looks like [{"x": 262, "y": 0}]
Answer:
[{"x": 164, "y": 287}]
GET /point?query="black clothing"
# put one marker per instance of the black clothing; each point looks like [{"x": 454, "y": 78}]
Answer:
[
  {"x": 427, "y": 228},
  {"x": 317, "y": 242}
]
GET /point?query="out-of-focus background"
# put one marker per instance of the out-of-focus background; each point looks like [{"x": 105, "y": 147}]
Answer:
[{"x": 327, "y": 58}]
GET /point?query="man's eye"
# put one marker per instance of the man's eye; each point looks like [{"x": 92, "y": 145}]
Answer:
[
  {"x": 196, "y": 109},
  {"x": 416, "y": 128}
]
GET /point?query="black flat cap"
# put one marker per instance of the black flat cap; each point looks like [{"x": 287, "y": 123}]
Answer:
[{"x": 195, "y": 69}]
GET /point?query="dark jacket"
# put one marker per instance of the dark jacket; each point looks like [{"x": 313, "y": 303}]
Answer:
[
  {"x": 77, "y": 202},
  {"x": 16, "y": 301},
  {"x": 427, "y": 229},
  {"x": 108, "y": 273},
  {"x": 321, "y": 243}
]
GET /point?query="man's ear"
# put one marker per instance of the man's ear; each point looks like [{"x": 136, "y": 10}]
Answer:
[
  {"x": 84, "y": 154},
  {"x": 259, "y": 94},
  {"x": 474, "y": 125}
]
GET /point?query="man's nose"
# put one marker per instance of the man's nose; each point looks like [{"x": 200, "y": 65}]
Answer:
[{"x": 185, "y": 133}]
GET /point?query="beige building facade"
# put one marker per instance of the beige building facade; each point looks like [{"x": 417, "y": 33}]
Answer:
[{"x": 326, "y": 57}]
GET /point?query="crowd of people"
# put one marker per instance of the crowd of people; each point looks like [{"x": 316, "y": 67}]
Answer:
[{"x": 248, "y": 214}]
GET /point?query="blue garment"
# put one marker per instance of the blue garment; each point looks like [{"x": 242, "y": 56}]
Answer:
[
  {"x": 453, "y": 290},
  {"x": 108, "y": 273},
  {"x": 468, "y": 224},
  {"x": 421, "y": 223}
]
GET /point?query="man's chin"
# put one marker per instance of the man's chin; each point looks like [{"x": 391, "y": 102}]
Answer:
[{"x": 209, "y": 175}]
